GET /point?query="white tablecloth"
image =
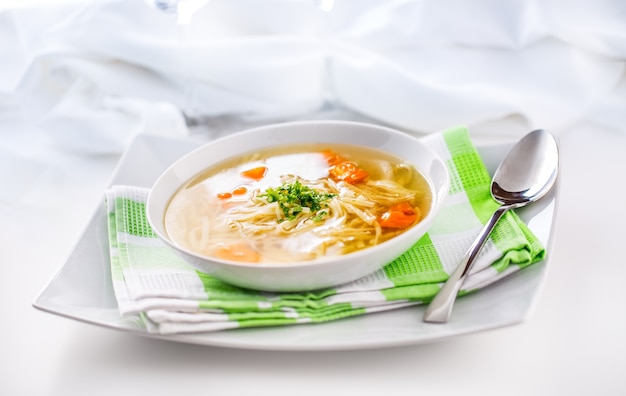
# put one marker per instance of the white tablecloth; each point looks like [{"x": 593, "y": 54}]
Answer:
[{"x": 69, "y": 107}]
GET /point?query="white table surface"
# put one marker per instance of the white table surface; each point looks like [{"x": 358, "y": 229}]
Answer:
[{"x": 574, "y": 343}]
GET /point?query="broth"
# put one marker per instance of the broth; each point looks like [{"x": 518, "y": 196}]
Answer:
[{"x": 297, "y": 203}]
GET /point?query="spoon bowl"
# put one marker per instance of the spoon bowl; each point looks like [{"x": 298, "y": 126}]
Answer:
[
  {"x": 526, "y": 175},
  {"x": 528, "y": 172}
]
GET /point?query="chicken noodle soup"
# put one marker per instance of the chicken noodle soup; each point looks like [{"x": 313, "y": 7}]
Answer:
[{"x": 297, "y": 203}]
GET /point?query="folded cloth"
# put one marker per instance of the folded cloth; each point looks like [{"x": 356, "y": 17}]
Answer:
[
  {"x": 151, "y": 281},
  {"x": 91, "y": 73}
]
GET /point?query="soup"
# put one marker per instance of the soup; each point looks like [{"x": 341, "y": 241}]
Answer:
[{"x": 297, "y": 203}]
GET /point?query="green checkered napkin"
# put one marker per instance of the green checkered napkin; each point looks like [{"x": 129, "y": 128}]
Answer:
[{"x": 171, "y": 297}]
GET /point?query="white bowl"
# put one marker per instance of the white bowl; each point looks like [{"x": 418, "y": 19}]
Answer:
[{"x": 320, "y": 273}]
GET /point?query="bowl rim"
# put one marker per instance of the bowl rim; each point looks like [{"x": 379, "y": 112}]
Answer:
[{"x": 420, "y": 228}]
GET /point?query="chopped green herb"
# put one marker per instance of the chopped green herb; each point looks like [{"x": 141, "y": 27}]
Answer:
[{"x": 293, "y": 197}]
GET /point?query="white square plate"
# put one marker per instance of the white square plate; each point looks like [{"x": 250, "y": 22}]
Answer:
[{"x": 82, "y": 288}]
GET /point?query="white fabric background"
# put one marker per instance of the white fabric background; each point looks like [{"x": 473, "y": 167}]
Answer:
[{"x": 416, "y": 64}]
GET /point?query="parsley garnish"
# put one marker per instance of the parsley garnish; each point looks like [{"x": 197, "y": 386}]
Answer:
[{"x": 293, "y": 197}]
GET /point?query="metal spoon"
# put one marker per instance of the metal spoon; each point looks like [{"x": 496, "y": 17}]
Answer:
[{"x": 527, "y": 174}]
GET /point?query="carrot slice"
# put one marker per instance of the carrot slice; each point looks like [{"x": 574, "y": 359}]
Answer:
[
  {"x": 331, "y": 157},
  {"x": 255, "y": 173},
  {"x": 405, "y": 208},
  {"x": 342, "y": 169},
  {"x": 357, "y": 176},
  {"x": 224, "y": 195},
  {"x": 240, "y": 190},
  {"x": 347, "y": 171},
  {"x": 399, "y": 216},
  {"x": 238, "y": 252}
]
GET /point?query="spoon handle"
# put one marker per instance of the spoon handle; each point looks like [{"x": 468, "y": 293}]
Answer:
[{"x": 440, "y": 307}]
